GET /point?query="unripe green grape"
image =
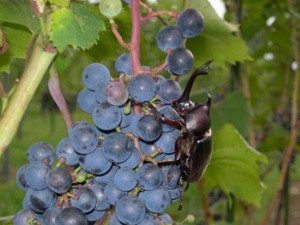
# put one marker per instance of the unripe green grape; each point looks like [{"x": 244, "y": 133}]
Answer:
[{"x": 110, "y": 8}]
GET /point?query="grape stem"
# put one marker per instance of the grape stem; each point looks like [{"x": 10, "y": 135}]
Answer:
[
  {"x": 152, "y": 13},
  {"x": 57, "y": 95},
  {"x": 114, "y": 28},
  {"x": 134, "y": 45},
  {"x": 135, "y": 36},
  {"x": 155, "y": 70}
]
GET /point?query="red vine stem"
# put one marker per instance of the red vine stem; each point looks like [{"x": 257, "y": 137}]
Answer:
[
  {"x": 114, "y": 28},
  {"x": 135, "y": 36},
  {"x": 57, "y": 95},
  {"x": 155, "y": 70},
  {"x": 152, "y": 13},
  {"x": 294, "y": 127},
  {"x": 134, "y": 45}
]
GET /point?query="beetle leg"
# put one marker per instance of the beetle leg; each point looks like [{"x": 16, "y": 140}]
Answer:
[{"x": 180, "y": 184}]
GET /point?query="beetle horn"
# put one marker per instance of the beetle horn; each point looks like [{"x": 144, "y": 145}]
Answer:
[
  {"x": 208, "y": 102},
  {"x": 202, "y": 70}
]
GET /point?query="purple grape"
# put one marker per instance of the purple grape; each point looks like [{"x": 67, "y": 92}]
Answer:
[
  {"x": 167, "y": 141},
  {"x": 98, "y": 189},
  {"x": 107, "y": 177},
  {"x": 100, "y": 92},
  {"x": 133, "y": 161},
  {"x": 142, "y": 88},
  {"x": 107, "y": 116},
  {"x": 125, "y": 179},
  {"x": 35, "y": 175},
  {"x": 180, "y": 61},
  {"x": 21, "y": 179},
  {"x": 117, "y": 147},
  {"x": 83, "y": 138},
  {"x": 86, "y": 100},
  {"x": 130, "y": 210},
  {"x": 116, "y": 93},
  {"x": 41, "y": 151},
  {"x": 50, "y": 215},
  {"x": 190, "y": 22},
  {"x": 169, "y": 113},
  {"x": 71, "y": 216},
  {"x": 64, "y": 150},
  {"x": 169, "y": 37},
  {"x": 41, "y": 200},
  {"x": 171, "y": 176},
  {"x": 84, "y": 199},
  {"x": 126, "y": 118},
  {"x": 133, "y": 124},
  {"x": 157, "y": 200},
  {"x": 94, "y": 74},
  {"x": 123, "y": 64},
  {"x": 95, "y": 162},
  {"x": 23, "y": 216},
  {"x": 168, "y": 91},
  {"x": 149, "y": 128},
  {"x": 149, "y": 176},
  {"x": 113, "y": 194},
  {"x": 59, "y": 180},
  {"x": 175, "y": 194}
]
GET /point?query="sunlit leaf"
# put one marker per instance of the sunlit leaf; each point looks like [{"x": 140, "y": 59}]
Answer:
[{"x": 77, "y": 26}]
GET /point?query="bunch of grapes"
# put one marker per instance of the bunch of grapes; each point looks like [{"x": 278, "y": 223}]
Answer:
[{"x": 115, "y": 166}]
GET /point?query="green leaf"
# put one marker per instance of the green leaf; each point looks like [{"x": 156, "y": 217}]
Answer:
[
  {"x": 62, "y": 3},
  {"x": 217, "y": 41},
  {"x": 233, "y": 166},
  {"x": 77, "y": 26},
  {"x": 233, "y": 109},
  {"x": 18, "y": 39},
  {"x": 19, "y": 12}
]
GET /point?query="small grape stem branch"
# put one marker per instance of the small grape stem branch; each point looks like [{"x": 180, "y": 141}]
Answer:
[
  {"x": 152, "y": 13},
  {"x": 114, "y": 28},
  {"x": 58, "y": 97},
  {"x": 37, "y": 66}
]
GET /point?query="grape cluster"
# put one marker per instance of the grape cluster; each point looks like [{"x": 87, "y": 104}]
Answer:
[{"x": 113, "y": 165}]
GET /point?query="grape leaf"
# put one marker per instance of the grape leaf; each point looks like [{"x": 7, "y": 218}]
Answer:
[
  {"x": 233, "y": 166},
  {"x": 217, "y": 41},
  {"x": 19, "y": 12},
  {"x": 233, "y": 109},
  {"x": 76, "y": 26},
  {"x": 18, "y": 38}
]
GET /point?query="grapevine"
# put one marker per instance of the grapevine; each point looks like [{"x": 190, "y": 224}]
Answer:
[{"x": 123, "y": 166}]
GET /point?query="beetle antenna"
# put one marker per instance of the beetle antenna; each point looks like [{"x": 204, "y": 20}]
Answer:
[{"x": 202, "y": 70}]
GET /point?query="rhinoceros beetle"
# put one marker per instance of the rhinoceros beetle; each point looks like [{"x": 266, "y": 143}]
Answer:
[{"x": 194, "y": 146}]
